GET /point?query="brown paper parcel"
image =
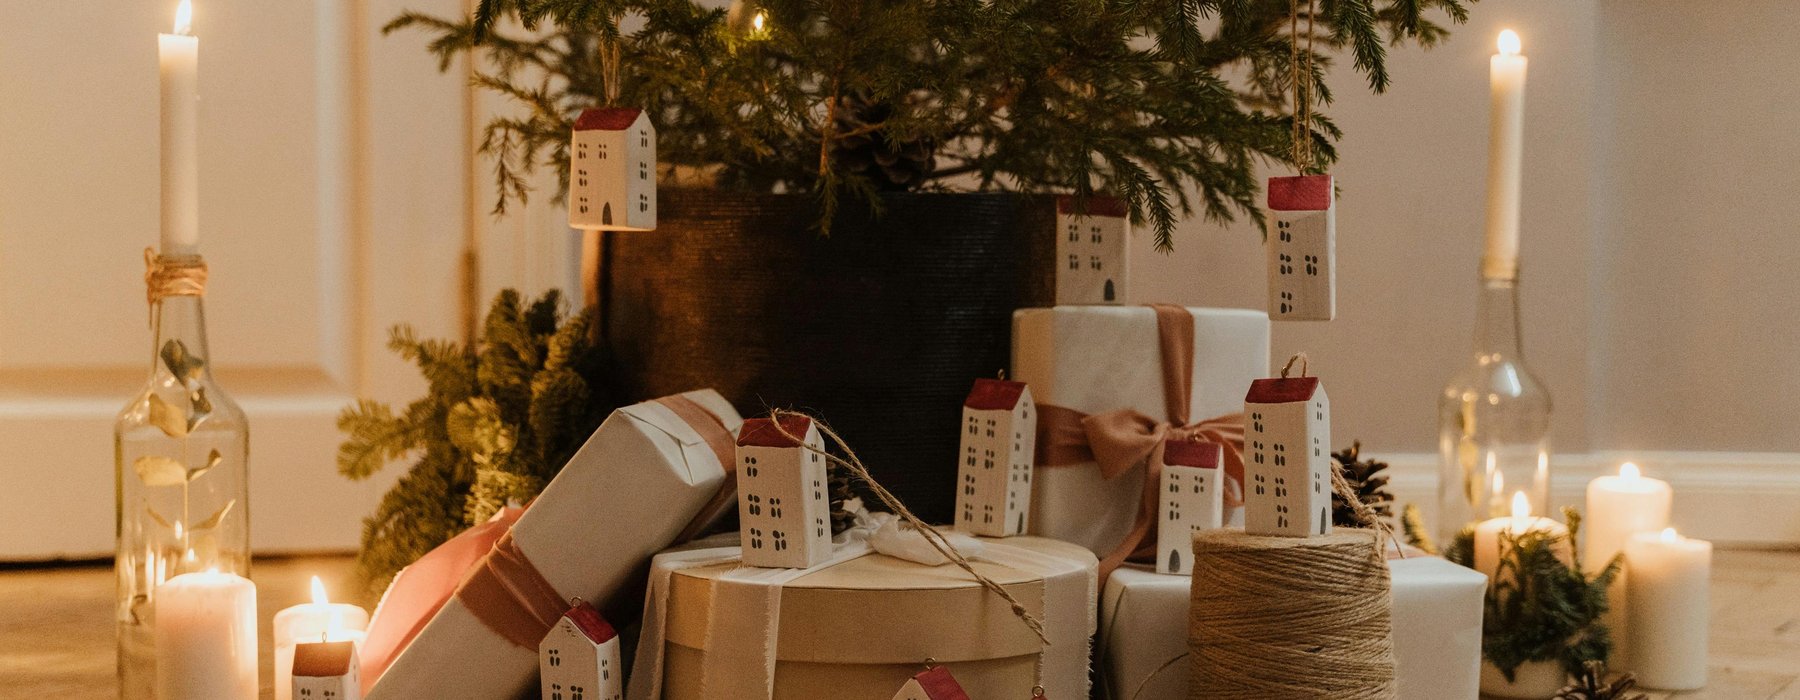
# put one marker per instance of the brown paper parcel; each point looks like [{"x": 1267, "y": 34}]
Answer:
[
  {"x": 627, "y": 493},
  {"x": 858, "y": 629}
]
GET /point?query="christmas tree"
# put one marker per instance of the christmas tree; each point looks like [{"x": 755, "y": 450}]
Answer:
[{"x": 1170, "y": 104}]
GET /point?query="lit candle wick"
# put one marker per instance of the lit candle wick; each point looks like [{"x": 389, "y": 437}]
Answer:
[
  {"x": 184, "y": 18},
  {"x": 1509, "y": 43},
  {"x": 1521, "y": 510},
  {"x": 1629, "y": 471}
]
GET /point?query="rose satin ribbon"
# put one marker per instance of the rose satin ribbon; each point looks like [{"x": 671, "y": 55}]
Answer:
[
  {"x": 514, "y": 600},
  {"x": 1121, "y": 440}
]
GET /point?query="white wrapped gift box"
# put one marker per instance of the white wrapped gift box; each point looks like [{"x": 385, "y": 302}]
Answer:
[
  {"x": 624, "y": 496},
  {"x": 1095, "y": 359},
  {"x": 1437, "y": 631}
]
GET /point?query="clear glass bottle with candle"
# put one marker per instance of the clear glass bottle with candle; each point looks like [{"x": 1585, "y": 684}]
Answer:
[
  {"x": 1493, "y": 418},
  {"x": 181, "y": 449}
]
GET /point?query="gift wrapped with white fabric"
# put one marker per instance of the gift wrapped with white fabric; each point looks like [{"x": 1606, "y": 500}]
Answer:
[
  {"x": 647, "y": 476},
  {"x": 1437, "y": 631},
  {"x": 859, "y": 625},
  {"x": 1167, "y": 366}
]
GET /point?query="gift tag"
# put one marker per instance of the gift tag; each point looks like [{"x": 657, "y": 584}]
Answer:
[
  {"x": 612, "y": 171},
  {"x": 1287, "y": 463},
  {"x": 999, "y": 441},
  {"x": 1302, "y": 248}
]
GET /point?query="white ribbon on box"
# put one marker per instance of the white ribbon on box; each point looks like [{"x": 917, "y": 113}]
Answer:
[
  {"x": 640, "y": 478},
  {"x": 1096, "y": 359},
  {"x": 741, "y": 648},
  {"x": 1437, "y": 631}
]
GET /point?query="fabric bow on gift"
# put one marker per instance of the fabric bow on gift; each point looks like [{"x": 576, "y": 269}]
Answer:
[{"x": 1119, "y": 441}]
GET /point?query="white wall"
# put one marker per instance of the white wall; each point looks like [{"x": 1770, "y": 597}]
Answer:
[{"x": 1659, "y": 226}]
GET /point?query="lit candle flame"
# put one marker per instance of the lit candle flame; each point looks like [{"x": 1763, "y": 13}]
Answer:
[
  {"x": 1509, "y": 42},
  {"x": 318, "y": 592},
  {"x": 1668, "y": 535},
  {"x": 1629, "y": 471},
  {"x": 1521, "y": 506},
  {"x": 756, "y": 22},
  {"x": 184, "y": 18}
]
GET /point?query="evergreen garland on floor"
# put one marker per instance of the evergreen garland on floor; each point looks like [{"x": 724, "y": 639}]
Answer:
[
  {"x": 496, "y": 424},
  {"x": 1171, "y": 104}
]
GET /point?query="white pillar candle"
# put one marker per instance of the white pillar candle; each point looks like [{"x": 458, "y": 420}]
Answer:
[
  {"x": 318, "y": 621},
  {"x": 1666, "y": 608},
  {"x": 206, "y": 637},
  {"x": 178, "y": 61},
  {"x": 1506, "y": 127},
  {"x": 1491, "y": 535},
  {"x": 1617, "y": 508}
]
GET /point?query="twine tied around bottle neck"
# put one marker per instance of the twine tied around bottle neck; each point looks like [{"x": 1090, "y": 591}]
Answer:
[
  {"x": 172, "y": 276},
  {"x": 936, "y": 539}
]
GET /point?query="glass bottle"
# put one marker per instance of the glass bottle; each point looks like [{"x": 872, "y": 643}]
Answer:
[
  {"x": 1493, "y": 420},
  {"x": 180, "y": 449}
]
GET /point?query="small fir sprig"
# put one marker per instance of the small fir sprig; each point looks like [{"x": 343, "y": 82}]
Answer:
[
  {"x": 1539, "y": 608},
  {"x": 1173, "y": 105},
  {"x": 497, "y": 422}
]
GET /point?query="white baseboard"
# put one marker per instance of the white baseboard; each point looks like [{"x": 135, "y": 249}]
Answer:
[{"x": 1747, "y": 499}]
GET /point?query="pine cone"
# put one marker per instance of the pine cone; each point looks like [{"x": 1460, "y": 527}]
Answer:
[
  {"x": 838, "y": 479},
  {"x": 891, "y": 166},
  {"x": 1370, "y": 484},
  {"x": 1591, "y": 684}
]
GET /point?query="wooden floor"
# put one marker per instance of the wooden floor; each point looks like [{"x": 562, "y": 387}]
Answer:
[{"x": 56, "y": 631}]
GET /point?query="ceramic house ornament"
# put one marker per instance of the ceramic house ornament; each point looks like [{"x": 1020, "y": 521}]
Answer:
[
  {"x": 1091, "y": 245},
  {"x": 934, "y": 683},
  {"x": 612, "y": 171},
  {"x": 782, "y": 511},
  {"x": 1287, "y": 461},
  {"x": 326, "y": 671},
  {"x": 1302, "y": 248},
  {"x": 579, "y": 658},
  {"x": 1192, "y": 500},
  {"x": 999, "y": 441}
]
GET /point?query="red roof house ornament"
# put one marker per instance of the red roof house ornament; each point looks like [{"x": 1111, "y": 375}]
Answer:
[
  {"x": 1091, "y": 244},
  {"x": 326, "y": 671},
  {"x": 934, "y": 683},
  {"x": 1302, "y": 248},
  {"x": 579, "y": 658},
  {"x": 1287, "y": 461},
  {"x": 1192, "y": 499},
  {"x": 999, "y": 441},
  {"x": 782, "y": 510},
  {"x": 612, "y": 171}
]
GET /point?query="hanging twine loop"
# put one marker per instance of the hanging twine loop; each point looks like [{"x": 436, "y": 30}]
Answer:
[
  {"x": 1288, "y": 617},
  {"x": 172, "y": 276},
  {"x": 1301, "y": 70},
  {"x": 1299, "y": 357},
  {"x": 936, "y": 539}
]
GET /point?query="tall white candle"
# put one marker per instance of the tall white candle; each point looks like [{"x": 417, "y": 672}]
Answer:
[
  {"x": 206, "y": 637},
  {"x": 1506, "y": 126},
  {"x": 318, "y": 621},
  {"x": 1619, "y": 507},
  {"x": 178, "y": 61},
  {"x": 1666, "y": 608}
]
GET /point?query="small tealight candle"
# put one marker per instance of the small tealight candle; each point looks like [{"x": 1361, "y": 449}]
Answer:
[
  {"x": 318, "y": 621},
  {"x": 1666, "y": 608},
  {"x": 206, "y": 637},
  {"x": 1491, "y": 534}
]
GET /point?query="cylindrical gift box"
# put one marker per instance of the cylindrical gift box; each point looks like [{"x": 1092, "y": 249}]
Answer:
[{"x": 1290, "y": 617}]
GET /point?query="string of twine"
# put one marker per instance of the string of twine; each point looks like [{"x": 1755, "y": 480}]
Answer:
[
  {"x": 1302, "y": 147},
  {"x": 172, "y": 276},
  {"x": 853, "y": 463},
  {"x": 609, "y": 66},
  {"x": 1290, "y": 617}
]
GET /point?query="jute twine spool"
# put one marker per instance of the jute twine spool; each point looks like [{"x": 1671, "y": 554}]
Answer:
[{"x": 1290, "y": 617}]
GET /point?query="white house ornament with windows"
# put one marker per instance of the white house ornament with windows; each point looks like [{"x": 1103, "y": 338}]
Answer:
[
  {"x": 999, "y": 442},
  {"x": 326, "y": 671},
  {"x": 1287, "y": 465},
  {"x": 934, "y": 683},
  {"x": 579, "y": 658},
  {"x": 1302, "y": 248},
  {"x": 1091, "y": 246},
  {"x": 612, "y": 171},
  {"x": 1192, "y": 500},
  {"x": 783, "y": 513}
]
